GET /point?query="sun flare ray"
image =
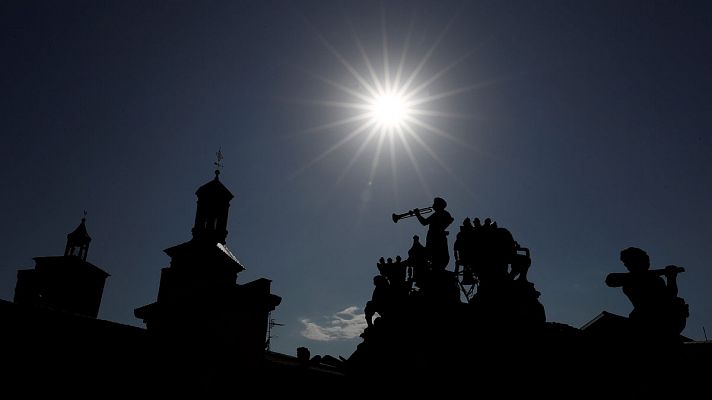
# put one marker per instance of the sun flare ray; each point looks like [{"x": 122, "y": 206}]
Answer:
[
  {"x": 426, "y": 57},
  {"x": 357, "y": 154},
  {"x": 450, "y": 93},
  {"x": 376, "y": 157},
  {"x": 376, "y": 82},
  {"x": 394, "y": 165},
  {"x": 440, "y": 162},
  {"x": 440, "y": 132},
  {"x": 404, "y": 53},
  {"x": 346, "y": 89},
  {"x": 414, "y": 163},
  {"x": 438, "y": 75},
  {"x": 351, "y": 136},
  {"x": 363, "y": 81},
  {"x": 386, "y": 62},
  {"x": 335, "y": 124}
]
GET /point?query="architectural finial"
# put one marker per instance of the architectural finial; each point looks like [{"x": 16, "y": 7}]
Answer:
[
  {"x": 84, "y": 218},
  {"x": 218, "y": 162}
]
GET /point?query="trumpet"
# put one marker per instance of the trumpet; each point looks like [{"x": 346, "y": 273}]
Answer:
[{"x": 397, "y": 217}]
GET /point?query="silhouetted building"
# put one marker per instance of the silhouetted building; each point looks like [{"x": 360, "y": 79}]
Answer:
[
  {"x": 199, "y": 302},
  {"x": 606, "y": 325},
  {"x": 204, "y": 335},
  {"x": 67, "y": 283}
]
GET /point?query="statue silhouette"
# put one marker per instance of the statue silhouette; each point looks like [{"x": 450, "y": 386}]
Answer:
[
  {"x": 487, "y": 251},
  {"x": 463, "y": 256},
  {"x": 417, "y": 261},
  {"x": 398, "y": 281},
  {"x": 657, "y": 310},
  {"x": 436, "y": 239},
  {"x": 381, "y": 300}
]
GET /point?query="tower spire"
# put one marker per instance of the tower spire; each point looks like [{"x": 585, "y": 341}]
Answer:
[
  {"x": 212, "y": 211},
  {"x": 78, "y": 240}
]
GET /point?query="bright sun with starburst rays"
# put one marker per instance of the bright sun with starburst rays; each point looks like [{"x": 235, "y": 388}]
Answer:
[
  {"x": 389, "y": 111},
  {"x": 391, "y": 104}
]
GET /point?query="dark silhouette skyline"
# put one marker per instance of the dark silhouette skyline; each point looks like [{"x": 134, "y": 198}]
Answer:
[
  {"x": 499, "y": 342},
  {"x": 204, "y": 331},
  {"x": 582, "y": 127},
  {"x": 207, "y": 331}
]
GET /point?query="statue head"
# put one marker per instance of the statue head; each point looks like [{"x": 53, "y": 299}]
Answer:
[{"x": 635, "y": 259}]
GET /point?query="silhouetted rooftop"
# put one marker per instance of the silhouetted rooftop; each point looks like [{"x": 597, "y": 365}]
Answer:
[
  {"x": 80, "y": 233},
  {"x": 68, "y": 262},
  {"x": 214, "y": 188},
  {"x": 218, "y": 249}
]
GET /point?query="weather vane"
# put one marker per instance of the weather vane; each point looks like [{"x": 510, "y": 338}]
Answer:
[{"x": 219, "y": 156}]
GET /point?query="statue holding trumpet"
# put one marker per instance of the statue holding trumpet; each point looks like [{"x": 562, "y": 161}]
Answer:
[{"x": 436, "y": 240}]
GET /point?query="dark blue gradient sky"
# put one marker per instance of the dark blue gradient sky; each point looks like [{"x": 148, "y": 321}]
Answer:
[{"x": 585, "y": 129}]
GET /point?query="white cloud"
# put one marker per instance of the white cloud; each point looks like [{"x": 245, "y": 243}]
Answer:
[{"x": 345, "y": 324}]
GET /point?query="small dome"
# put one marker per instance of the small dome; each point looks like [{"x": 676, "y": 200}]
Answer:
[
  {"x": 79, "y": 234},
  {"x": 214, "y": 189}
]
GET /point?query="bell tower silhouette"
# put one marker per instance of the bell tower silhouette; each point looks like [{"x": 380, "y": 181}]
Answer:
[
  {"x": 65, "y": 283},
  {"x": 211, "y": 214},
  {"x": 78, "y": 241},
  {"x": 200, "y": 306}
]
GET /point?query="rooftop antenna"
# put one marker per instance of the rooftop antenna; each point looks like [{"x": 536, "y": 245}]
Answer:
[{"x": 270, "y": 325}]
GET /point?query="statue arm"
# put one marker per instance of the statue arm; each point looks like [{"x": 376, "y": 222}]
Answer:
[
  {"x": 671, "y": 272},
  {"x": 423, "y": 221},
  {"x": 616, "y": 279}
]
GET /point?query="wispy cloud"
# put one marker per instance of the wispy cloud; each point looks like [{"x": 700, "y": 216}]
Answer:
[{"x": 345, "y": 324}]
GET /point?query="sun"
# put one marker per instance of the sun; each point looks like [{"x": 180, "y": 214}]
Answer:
[
  {"x": 389, "y": 111},
  {"x": 390, "y": 104}
]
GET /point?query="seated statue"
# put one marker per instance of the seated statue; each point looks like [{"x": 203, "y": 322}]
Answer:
[{"x": 657, "y": 309}]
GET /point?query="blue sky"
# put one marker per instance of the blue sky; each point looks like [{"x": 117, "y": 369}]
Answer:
[{"x": 581, "y": 127}]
